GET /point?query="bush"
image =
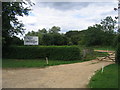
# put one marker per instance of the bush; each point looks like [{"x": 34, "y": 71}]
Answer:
[
  {"x": 117, "y": 58},
  {"x": 40, "y": 52}
]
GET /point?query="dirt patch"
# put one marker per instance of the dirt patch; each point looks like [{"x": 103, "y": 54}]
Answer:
[{"x": 62, "y": 76}]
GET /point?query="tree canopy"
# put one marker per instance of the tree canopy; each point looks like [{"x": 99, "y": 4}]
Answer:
[{"x": 10, "y": 23}]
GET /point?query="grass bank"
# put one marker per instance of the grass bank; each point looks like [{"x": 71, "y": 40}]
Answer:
[{"x": 107, "y": 79}]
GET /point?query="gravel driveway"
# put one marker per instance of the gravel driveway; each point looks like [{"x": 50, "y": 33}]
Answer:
[{"x": 62, "y": 76}]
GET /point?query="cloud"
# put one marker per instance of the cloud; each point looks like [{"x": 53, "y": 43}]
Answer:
[
  {"x": 67, "y": 15},
  {"x": 64, "y": 5}
]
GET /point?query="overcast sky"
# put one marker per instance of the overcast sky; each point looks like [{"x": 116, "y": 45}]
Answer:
[{"x": 67, "y": 15}]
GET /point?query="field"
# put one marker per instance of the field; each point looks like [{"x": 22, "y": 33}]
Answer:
[{"x": 107, "y": 79}]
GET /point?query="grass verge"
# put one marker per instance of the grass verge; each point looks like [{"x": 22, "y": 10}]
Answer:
[
  {"x": 94, "y": 55},
  {"x": 21, "y": 63},
  {"x": 104, "y": 48},
  {"x": 17, "y": 63},
  {"x": 107, "y": 79}
]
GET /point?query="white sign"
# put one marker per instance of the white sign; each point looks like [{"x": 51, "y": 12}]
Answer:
[{"x": 30, "y": 40}]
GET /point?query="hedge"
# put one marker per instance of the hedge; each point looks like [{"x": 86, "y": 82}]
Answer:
[
  {"x": 40, "y": 52},
  {"x": 117, "y": 58}
]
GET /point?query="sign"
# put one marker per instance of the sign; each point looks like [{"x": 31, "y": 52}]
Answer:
[{"x": 30, "y": 40}]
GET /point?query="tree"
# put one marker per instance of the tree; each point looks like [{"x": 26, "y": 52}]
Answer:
[
  {"x": 16, "y": 41},
  {"x": 93, "y": 36},
  {"x": 39, "y": 33},
  {"x": 42, "y": 31},
  {"x": 71, "y": 33},
  {"x": 117, "y": 55},
  {"x": 108, "y": 24},
  {"x": 47, "y": 39},
  {"x": 59, "y": 39},
  {"x": 74, "y": 37},
  {"x": 10, "y": 23},
  {"x": 54, "y": 29}
]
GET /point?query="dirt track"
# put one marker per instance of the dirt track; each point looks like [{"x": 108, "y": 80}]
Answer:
[{"x": 63, "y": 76}]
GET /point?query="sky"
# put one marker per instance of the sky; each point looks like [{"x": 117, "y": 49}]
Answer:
[{"x": 67, "y": 15}]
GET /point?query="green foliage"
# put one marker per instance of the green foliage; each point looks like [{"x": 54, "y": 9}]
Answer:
[
  {"x": 39, "y": 33},
  {"x": 16, "y": 41},
  {"x": 10, "y": 23},
  {"x": 71, "y": 33},
  {"x": 53, "y": 37},
  {"x": 117, "y": 58},
  {"x": 76, "y": 37},
  {"x": 54, "y": 29},
  {"x": 47, "y": 39},
  {"x": 108, "y": 39},
  {"x": 93, "y": 36},
  {"x": 41, "y": 52},
  {"x": 109, "y": 48},
  {"x": 108, "y": 24},
  {"x": 107, "y": 79},
  {"x": 96, "y": 36},
  {"x": 59, "y": 39}
]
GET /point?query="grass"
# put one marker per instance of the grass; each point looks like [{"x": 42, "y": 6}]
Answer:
[
  {"x": 15, "y": 63},
  {"x": 22, "y": 63},
  {"x": 104, "y": 48},
  {"x": 94, "y": 55},
  {"x": 110, "y": 48},
  {"x": 107, "y": 79}
]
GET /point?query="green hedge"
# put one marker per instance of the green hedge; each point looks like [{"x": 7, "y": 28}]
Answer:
[
  {"x": 40, "y": 52},
  {"x": 117, "y": 58}
]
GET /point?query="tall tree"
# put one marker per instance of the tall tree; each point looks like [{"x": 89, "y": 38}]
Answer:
[
  {"x": 93, "y": 36},
  {"x": 10, "y": 23},
  {"x": 117, "y": 56},
  {"x": 42, "y": 31},
  {"x": 108, "y": 24},
  {"x": 54, "y": 29}
]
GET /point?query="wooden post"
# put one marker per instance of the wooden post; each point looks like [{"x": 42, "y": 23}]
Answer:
[
  {"x": 84, "y": 53},
  {"x": 47, "y": 60}
]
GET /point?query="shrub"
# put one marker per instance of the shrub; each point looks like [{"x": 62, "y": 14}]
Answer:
[
  {"x": 117, "y": 58},
  {"x": 40, "y": 52}
]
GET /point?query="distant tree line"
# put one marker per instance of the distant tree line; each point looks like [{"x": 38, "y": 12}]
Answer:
[{"x": 99, "y": 34}]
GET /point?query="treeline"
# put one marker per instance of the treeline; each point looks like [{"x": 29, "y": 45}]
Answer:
[
  {"x": 102, "y": 34},
  {"x": 51, "y": 37},
  {"x": 98, "y": 34}
]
